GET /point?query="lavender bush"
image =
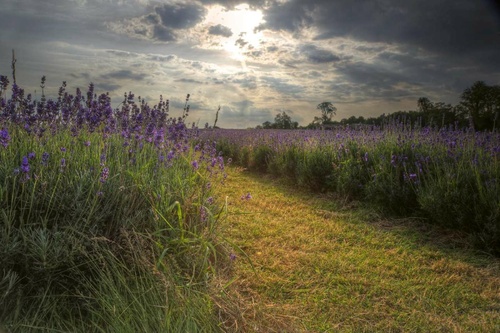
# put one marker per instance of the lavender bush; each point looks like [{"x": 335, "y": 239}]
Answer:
[
  {"x": 447, "y": 176},
  {"x": 107, "y": 215}
]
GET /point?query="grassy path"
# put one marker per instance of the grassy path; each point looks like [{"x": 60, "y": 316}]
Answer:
[{"x": 321, "y": 267}]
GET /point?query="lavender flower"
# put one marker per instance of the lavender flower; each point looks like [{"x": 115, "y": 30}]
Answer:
[
  {"x": 248, "y": 196},
  {"x": 4, "y": 138},
  {"x": 25, "y": 166},
  {"x": 104, "y": 175},
  {"x": 63, "y": 164},
  {"x": 45, "y": 158}
]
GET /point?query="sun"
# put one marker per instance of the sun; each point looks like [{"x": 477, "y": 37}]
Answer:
[{"x": 242, "y": 20}]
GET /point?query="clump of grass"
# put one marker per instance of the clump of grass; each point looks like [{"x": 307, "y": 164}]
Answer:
[{"x": 108, "y": 217}]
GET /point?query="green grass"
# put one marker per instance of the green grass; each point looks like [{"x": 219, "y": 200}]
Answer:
[
  {"x": 322, "y": 265},
  {"x": 131, "y": 253}
]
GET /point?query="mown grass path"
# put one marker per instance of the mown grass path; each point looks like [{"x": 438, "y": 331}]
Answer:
[{"x": 324, "y": 267}]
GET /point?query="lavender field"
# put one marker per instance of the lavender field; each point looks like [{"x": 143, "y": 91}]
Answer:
[
  {"x": 107, "y": 216},
  {"x": 110, "y": 217},
  {"x": 448, "y": 177}
]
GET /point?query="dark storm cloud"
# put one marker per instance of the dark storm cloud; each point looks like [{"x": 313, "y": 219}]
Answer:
[
  {"x": 317, "y": 55},
  {"x": 291, "y": 15},
  {"x": 181, "y": 15},
  {"x": 220, "y": 30},
  {"x": 446, "y": 27}
]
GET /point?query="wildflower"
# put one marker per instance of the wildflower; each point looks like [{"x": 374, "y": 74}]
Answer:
[
  {"x": 100, "y": 194},
  {"x": 248, "y": 196},
  {"x": 63, "y": 149},
  {"x": 45, "y": 158},
  {"x": 31, "y": 155},
  {"x": 4, "y": 138},
  {"x": 203, "y": 214},
  {"x": 25, "y": 167},
  {"x": 87, "y": 143},
  {"x": 103, "y": 159},
  {"x": 104, "y": 175},
  {"x": 63, "y": 164},
  {"x": 195, "y": 165},
  {"x": 210, "y": 200},
  {"x": 232, "y": 256}
]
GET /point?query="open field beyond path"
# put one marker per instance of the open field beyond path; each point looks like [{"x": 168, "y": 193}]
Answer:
[{"x": 324, "y": 266}]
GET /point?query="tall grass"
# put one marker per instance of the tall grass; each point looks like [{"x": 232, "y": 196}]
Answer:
[
  {"x": 449, "y": 177},
  {"x": 108, "y": 222}
]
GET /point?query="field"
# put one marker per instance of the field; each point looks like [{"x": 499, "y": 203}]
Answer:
[
  {"x": 448, "y": 177},
  {"x": 129, "y": 220},
  {"x": 107, "y": 217}
]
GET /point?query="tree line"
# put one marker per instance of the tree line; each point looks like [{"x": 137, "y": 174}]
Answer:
[{"x": 479, "y": 109}]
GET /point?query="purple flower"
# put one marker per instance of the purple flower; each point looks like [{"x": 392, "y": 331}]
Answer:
[
  {"x": 63, "y": 149},
  {"x": 87, "y": 143},
  {"x": 4, "y": 138},
  {"x": 248, "y": 196},
  {"x": 31, "y": 155},
  {"x": 203, "y": 214},
  {"x": 45, "y": 158},
  {"x": 104, "y": 175},
  {"x": 210, "y": 200},
  {"x": 232, "y": 256},
  {"x": 195, "y": 165},
  {"x": 63, "y": 164},
  {"x": 103, "y": 159},
  {"x": 25, "y": 166}
]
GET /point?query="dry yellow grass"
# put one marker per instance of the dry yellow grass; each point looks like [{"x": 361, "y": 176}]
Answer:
[{"x": 322, "y": 267}]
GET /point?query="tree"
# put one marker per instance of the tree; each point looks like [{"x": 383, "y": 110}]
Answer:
[
  {"x": 281, "y": 121},
  {"x": 327, "y": 112},
  {"x": 482, "y": 103}
]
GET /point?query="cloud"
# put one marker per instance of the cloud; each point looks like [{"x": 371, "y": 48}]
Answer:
[
  {"x": 109, "y": 87},
  {"x": 281, "y": 85},
  {"x": 181, "y": 15},
  {"x": 124, "y": 74},
  {"x": 163, "y": 33},
  {"x": 220, "y": 30},
  {"x": 317, "y": 55}
]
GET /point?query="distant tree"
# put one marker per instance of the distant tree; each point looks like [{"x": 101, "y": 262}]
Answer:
[
  {"x": 281, "y": 121},
  {"x": 482, "y": 103},
  {"x": 267, "y": 125},
  {"x": 327, "y": 112}
]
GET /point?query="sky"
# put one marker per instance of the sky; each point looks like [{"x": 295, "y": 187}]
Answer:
[{"x": 256, "y": 58}]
